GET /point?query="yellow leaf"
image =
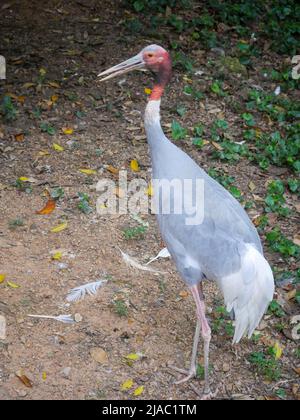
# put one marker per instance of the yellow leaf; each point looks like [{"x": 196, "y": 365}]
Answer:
[
  {"x": 88, "y": 171},
  {"x": 54, "y": 85},
  {"x": 54, "y": 98},
  {"x": 24, "y": 179},
  {"x": 44, "y": 376},
  {"x": 57, "y": 256},
  {"x": 278, "y": 350},
  {"x": 139, "y": 391},
  {"x": 132, "y": 356},
  {"x": 217, "y": 145},
  {"x": 134, "y": 165},
  {"x": 59, "y": 228},
  {"x": 58, "y": 148},
  {"x": 67, "y": 130},
  {"x": 42, "y": 71},
  {"x": 183, "y": 294},
  {"x": 148, "y": 91},
  {"x": 21, "y": 99},
  {"x": 13, "y": 285},
  {"x": 43, "y": 153},
  {"x": 150, "y": 191},
  {"x": 187, "y": 79},
  {"x": 2, "y": 278},
  {"x": 127, "y": 385},
  {"x": 28, "y": 85}
]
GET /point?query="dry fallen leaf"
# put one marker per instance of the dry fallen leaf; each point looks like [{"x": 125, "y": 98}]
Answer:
[
  {"x": 59, "y": 228},
  {"x": 112, "y": 170},
  {"x": 13, "y": 285},
  {"x": 23, "y": 378},
  {"x": 132, "y": 356},
  {"x": 148, "y": 91},
  {"x": 127, "y": 385},
  {"x": 57, "y": 256},
  {"x": 54, "y": 85},
  {"x": 58, "y": 147},
  {"x": 99, "y": 355},
  {"x": 44, "y": 376},
  {"x": 278, "y": 350},
  {"x": 134, "y": 165},
  {"x": 251, "y": 186},
  {"x": 217, "y": 145},
  {"x": 2, "y": 278},
  {"x": 68, "y": 130},
  {"x": 88, "y": 171},
  {"x": 296, "y": 239},
  {"x": 28, "y": 85},
  {"x": 150, "y": 191},
  {"x": 139, "y": 391},
  {"x": 54, "y": 98},
  {"x": 184, "y": 293},
  {"x": 49, "y": 207},
  {"x": 19, "y": 137}
]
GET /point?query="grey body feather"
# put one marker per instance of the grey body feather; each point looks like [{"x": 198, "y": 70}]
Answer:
[{"x": 215, "y": 247}]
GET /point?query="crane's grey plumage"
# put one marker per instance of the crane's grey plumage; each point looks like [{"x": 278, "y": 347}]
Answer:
[{"x": 225, "y": 246}]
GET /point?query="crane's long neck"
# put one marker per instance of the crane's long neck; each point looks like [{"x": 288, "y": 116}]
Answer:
[{"x": 152, "y": 114}]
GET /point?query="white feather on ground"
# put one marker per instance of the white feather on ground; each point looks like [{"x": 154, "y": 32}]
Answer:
[
  {"x": 80, "y": 292},
  {"x": 67, "y": 319},
  {"x": 131, "y": 262},
  {"x": 164, "y": 253}
]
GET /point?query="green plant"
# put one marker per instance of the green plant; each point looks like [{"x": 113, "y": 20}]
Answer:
[
  {"x": 58, "y": 193},
  {"x": 281, "y": 393},
  {"x": 136, "y": 232},
  {"x": 15, "y": 223},
  {"x": 227, "y": 182},
  {"x": 279, "y": 243},
  {"x": 84, "y": 203},
  {"x": 178, "y": 132},
  {"x": 276, "y": 309},
  {"x": 23, "y": 186},
  {"x": 193, "y": 92},
  {"x": 249, "y": 119},
  {"x": 275, "y": 199},
  {"x": 217, "y": 88},
  {"x": 47, "y": 128},
  {"x": 8, "y": 109},
  {"x": 265, "y": 365},
  {"x": 120, "y": 308}
]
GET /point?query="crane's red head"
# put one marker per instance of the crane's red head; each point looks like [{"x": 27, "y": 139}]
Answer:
[{"x": 153, "y": 58}]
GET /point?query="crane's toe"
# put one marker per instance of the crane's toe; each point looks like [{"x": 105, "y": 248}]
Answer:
[{"x": 189, "y": 374}]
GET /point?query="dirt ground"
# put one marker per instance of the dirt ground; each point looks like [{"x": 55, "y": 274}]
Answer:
[{"x": 73, "y": 43}]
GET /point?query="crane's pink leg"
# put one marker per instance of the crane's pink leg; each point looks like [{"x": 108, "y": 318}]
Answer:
[
  {"x": 202, "y": 325},
  {"x": 205, "y": 330}
]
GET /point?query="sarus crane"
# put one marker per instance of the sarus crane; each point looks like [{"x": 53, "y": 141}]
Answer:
[{"x": 224, "y": 246}]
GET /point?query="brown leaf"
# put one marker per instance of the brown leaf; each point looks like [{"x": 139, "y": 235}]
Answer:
[
  {"x": 112, "y": 170},
  {"x": 296, "y": 239},
  {"x": 19, "y": 137},
  {"x": 23, "y": 378},
  {"x": 49, "y": 207},
  {"x": 297, "y": 370},
  {"x": 99, "y": 355}
]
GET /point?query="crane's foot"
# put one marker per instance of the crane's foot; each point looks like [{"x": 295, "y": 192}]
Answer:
[
  {"x": 189, "y": 374},
  {"x": 206, "y": 395}
]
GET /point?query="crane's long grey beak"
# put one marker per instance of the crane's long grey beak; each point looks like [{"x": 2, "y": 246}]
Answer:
[{"x": 134, "y": 63}]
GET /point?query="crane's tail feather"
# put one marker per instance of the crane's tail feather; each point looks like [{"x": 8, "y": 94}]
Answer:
[{"x": 248, "y": 292}]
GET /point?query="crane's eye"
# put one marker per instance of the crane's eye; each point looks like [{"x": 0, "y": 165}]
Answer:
[{"x": 150, "y": 55}]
